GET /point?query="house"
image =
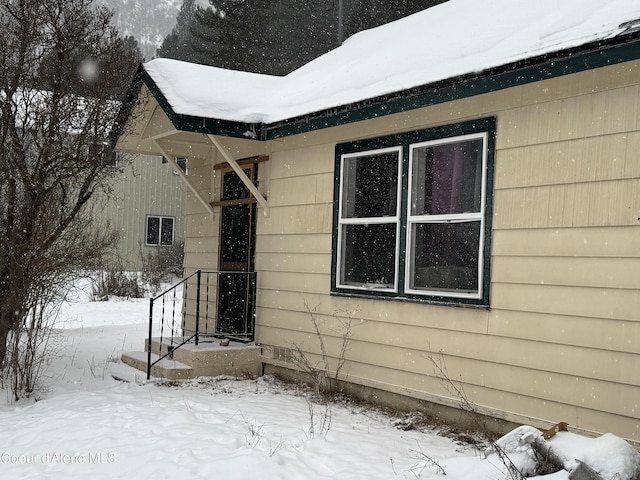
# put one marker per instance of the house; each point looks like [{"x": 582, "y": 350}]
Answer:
[
  {"x": 460, "y": 186},
  {"x": 146, "y": 205}
]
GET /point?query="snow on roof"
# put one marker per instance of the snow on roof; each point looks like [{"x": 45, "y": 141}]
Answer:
[{"x": 454, "y": 38}]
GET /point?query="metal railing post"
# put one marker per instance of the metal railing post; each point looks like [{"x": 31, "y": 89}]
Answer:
[
  {"x": 252, "y": 312},
  {"x": 150, "y": 333},
  {"x": 199, "y": 279}
]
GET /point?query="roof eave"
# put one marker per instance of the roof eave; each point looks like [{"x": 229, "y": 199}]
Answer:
[
  {"x": 619, "y": 49},
  {"x": 599, "y": 54},
  {"x": 205, "y": 125}
]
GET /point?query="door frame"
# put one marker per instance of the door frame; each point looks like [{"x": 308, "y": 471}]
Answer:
[{"x": 226, "y": 268}]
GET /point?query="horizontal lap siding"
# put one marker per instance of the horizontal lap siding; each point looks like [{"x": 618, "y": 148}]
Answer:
[
  {"x": 610, "y": 272},
  {"x": 614, "y": 304},
  {"x": 568, "y": 242},
  {"x": 293, "y": 245},
  {"x": 602, "y": 203},
  {"x": 562, "y": 339},
  {"x": 203, "y": 228},
  {"x": 566, "y": 255},
  {"x": 520, "y": 353}
]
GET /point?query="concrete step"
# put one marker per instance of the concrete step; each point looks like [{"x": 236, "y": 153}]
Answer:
[
  {"x": 210, "y": 358},
  {"x": 166, "y": 368}
]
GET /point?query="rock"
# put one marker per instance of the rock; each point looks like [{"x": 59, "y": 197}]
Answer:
[{"x": 584, "y": 472}]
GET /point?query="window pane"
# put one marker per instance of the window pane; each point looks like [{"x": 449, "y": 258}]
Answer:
[
  {"x": 166, "y": 234},
  {"x": 447, "y": 178},
  {"x": 234, "y": 244},
  {"x": 368, "y": 255},
  {"x": 233, "y": 187},
  {"x": 370, "y": 186},
  {"x": 153, "y": 230},
  {"x": 445, "y": 256},
  {"x": 182, "y": 163}
]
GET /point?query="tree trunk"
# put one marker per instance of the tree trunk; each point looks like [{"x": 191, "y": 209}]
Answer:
[
  {"x": 4, "y": 333},
  {"x": 11, "y": 308}
]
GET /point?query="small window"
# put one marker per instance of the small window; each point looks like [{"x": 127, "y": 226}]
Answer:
[
  {"x": 114, "y": 160},
  {"x": 159, "y": 230},
  {"x": 412, "y": 214},
  {"x": 103, "y": 152},
  {"x": 180, "y": 161}
]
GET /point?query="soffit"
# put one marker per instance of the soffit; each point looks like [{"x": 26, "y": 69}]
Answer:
[{"x": 148, "y": 124}]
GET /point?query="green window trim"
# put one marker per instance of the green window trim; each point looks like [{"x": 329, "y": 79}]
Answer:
[{"x": 366, "y": 215}]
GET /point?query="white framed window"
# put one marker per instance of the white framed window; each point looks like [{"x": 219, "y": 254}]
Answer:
[
  {"x": 445, "y": 216},
  {"x": 159, "y": 231},
  {"x": 413, "y": 215},
  {"x": 369, "y": 219}
]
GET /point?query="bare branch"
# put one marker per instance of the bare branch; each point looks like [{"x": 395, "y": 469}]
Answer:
[{"x": 55, "y": 127}]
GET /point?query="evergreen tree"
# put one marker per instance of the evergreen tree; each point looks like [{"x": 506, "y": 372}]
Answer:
[
  {"x": 178, "y": 44},
  {"x": 310, "y": 31},
  {"x": 237, "y": 34},
  {"x": 367, "y": 14},
  {"x": 274, "y": 36},
  {"x": 263, "y": 36}
]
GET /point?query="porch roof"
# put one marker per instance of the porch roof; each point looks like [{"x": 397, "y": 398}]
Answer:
[{"x": 456, "y": 49}]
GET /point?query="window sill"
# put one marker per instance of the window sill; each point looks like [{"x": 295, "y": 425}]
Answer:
[{"x": 479, "y": 304}]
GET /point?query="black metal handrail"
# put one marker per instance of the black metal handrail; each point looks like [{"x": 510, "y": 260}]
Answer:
[{"x": 175, "y": 320}]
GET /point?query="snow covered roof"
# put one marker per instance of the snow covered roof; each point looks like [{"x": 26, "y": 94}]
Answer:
[{"x": 455, "y": 39}]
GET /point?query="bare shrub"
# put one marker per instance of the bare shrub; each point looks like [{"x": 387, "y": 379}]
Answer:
[
  {"x": 425, "y": 461},
  {"x": 319, "y": 421},
  {"x": 476, "y": 419},
  {"x": 116, "y": 283},
  {"x": 29, "y": 345},
  {"x": 162, "y": 264},
  {"x": 322, "y": 377}
]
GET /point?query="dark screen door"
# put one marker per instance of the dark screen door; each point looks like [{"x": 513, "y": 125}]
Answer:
[{"x": 237, "y": 236}]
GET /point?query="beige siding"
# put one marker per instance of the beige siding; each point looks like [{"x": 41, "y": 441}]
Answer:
[
  {"x": 562, "y": 338},
  {"x": 622, "y": 242},
  {"x": 581, "y": 116},
  {"x": 619, "y": 273},
  {"x": 143, "y": 186},
  {"x": 565, "y": 253},
  {"x": 593, "y": 333}
]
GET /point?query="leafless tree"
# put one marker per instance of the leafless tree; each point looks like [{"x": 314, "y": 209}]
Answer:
[{"x": 64, "y": 73}]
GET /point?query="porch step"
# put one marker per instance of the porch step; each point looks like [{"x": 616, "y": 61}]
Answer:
[
  {"x": 165, "y": 368},
  {"x": 208, "y": 359}
]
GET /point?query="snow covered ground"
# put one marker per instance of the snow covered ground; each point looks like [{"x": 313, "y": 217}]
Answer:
[{"x": 86, "y": 424}]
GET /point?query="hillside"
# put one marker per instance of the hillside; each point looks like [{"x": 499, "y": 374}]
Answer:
[{"x": 148, "y": 21}]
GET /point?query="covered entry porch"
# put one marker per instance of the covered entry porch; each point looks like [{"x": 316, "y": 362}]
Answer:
[{"x": 207, "y": 320}]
